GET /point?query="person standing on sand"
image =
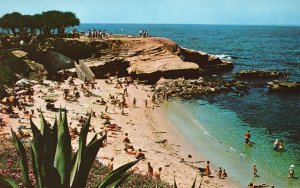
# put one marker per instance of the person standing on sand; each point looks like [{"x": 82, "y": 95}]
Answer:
[
  {"x": 158, "y": 173},
  {"x": 247, "y": 136},
  {"x": 146, "y": 103},
  {"x": 134, "y": 102},
  {"x": 110, "y": 164},
  {"x": 207, "y": 168},
  {"x": 254, "y": 171},
  {"x": 220, "y": 172},
  {"x": 150, "y": 170}
]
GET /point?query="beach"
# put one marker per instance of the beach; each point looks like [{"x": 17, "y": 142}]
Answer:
[{"x": 147, "y": 127}]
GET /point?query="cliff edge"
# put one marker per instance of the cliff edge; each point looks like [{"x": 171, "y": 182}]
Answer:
[{"x": 144, "y": 58}]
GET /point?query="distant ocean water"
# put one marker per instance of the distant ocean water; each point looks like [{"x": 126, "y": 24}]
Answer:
[{"x": 216, "y": 125}]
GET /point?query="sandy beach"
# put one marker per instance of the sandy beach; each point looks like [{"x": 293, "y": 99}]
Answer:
[{"x": 147, "y": 128}]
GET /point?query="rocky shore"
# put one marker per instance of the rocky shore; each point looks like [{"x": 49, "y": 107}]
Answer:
[{"x": 143, "y": 58}]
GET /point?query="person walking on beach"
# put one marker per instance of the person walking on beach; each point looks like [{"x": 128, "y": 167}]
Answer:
[
  {"x": 158, "y": 173},
  {"x": 146, "y": 103},
  {"x": 254, "y": 171},
  {"x": 134, "y": 102},
  {"x": 150, "y": 170},
  {"x": 291, "y": 171},
  {"x": 247, "y": 136}
]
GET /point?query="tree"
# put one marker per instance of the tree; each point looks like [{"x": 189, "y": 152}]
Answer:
[
  {"x": 69, "y": 20},
  {"x": 11, "y": 21},
  {"x": 49, "y": 22}
]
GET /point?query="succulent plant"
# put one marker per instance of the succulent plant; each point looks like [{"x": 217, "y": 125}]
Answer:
[{"x": 53, "y": 162}]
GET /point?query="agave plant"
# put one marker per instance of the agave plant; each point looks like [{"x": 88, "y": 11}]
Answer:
[
  {"x": 54, "y": 164},
  {"x": 193, "y": 186}
]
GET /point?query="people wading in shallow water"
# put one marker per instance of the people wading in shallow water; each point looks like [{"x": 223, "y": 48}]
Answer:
[
  {"x": 275, "y": 145},
  {"x": 291, "y": 171},
  {"x": 254, "y": 171},
  {"x": 280, "y": 145},
  {"x": 247, "y": 137}
]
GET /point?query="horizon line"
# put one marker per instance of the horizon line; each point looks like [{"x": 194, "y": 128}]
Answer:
[{"x": 236, "y": 24}]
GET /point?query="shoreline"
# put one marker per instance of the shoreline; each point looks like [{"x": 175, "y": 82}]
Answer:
[{"x": 147, "y": 128}]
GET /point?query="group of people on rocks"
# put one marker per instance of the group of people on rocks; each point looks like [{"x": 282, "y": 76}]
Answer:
[
  {"x": 99, "y": 34},
  {"x": 144, "y": 33}
]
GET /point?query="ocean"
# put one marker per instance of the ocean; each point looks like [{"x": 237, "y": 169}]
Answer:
[{"x": 215, "y": 125}]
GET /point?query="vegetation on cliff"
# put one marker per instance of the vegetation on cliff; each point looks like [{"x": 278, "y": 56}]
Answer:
[{"x": 49, "y": 22}]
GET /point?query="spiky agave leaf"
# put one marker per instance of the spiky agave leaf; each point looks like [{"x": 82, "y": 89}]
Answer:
[
  {"x": 37, "y": 154},
  {"x": 81, "y": 149},
  {"x": 175, "y": 185},
  {"x": 87, "y": 160},
  {"x": 47, "y": 151},
  {"x": 62, "y": 161},
  {"x": 22, "y": 159},
  {"x": 7, "y": 183},
  {"x": 115, "y": 175},
  {"x": 121, "y": 180}
]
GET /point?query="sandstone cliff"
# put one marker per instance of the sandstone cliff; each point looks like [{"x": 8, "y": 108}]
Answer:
[{"x": 144, "y": 58}]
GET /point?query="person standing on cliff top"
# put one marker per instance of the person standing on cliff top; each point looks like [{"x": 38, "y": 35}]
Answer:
[{"x": 247, "y": 136}]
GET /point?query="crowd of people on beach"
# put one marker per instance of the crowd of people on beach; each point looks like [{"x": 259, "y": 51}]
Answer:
[{"x": 23, "y": 97}]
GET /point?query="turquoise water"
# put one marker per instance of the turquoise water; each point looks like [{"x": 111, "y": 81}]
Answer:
[{"x": 219, "y": 135}]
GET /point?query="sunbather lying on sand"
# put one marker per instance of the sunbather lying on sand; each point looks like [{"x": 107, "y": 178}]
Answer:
[
  {"x": 138, "y": 153},
  {"x": 113, "y": 127}
]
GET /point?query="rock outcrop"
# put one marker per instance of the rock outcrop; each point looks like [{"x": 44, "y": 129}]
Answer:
[
  {"x": 16, "y": 64},
  {"x": 147, "y": 58},
  {"x": 260, "y": 74},
  {"x": 189, "y": 89},
  {"x": 282, "y": 86}
]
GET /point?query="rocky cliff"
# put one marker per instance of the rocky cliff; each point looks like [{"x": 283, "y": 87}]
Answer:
[{"x": 144, "y": 58}]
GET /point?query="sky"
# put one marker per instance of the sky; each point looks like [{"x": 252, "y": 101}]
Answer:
[{"x": 245, "y": 12}]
